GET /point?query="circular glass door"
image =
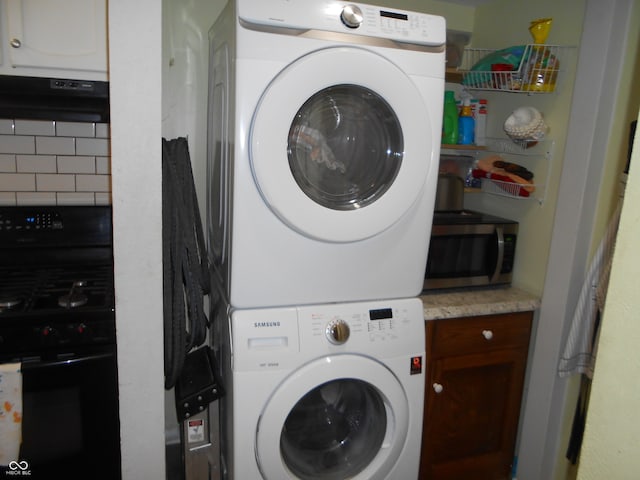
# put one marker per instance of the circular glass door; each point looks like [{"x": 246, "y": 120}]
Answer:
[
  {"x": 340, "y": 146},
  {"x": 338, "y": 417},
  {"x": 334, "y": 431},
  {"x": 345, "y": 147}
]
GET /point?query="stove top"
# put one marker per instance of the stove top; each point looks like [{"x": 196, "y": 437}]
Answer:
[
  {"x": 56, "y": 279},
  {"x": 43, "y": 290}
]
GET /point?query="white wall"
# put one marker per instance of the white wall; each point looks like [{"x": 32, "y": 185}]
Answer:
[
  {"x": 548, "y": 404},
  {"x": 185, "y": 61},
  {"x": 612, "y": 436},
  {"x": 134, "y": 46}
]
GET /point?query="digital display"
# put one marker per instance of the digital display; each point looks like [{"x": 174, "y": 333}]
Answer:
[
  {"x": 394, "y": 15},
  {"x": 380, "y": 314},
  {"x": 30, "y": 220}
]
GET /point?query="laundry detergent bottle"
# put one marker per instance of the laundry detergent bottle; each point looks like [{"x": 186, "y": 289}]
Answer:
[
  {"x": 466, "y": 124},
  {"x": 450, "y": 119}
]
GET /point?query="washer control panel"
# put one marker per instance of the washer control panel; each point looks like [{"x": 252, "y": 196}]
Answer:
[
  {"x": 342, "y": 325},
  {"x": 281, "y": 338}
]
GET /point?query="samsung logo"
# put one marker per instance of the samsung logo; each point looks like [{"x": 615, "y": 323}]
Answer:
[{"x": 265, "y": 324}]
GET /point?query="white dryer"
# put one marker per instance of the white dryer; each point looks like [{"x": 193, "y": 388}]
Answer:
[
  {"x": 324, "y": 133},
  {"x": 323, "y": 392}
]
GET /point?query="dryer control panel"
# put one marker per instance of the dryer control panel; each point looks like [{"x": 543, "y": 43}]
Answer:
[{"x": 337, "y": 16}]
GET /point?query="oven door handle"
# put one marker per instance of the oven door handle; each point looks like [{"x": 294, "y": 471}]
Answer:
[
  {"x": 31, "y": 363},
  {"x": 500, "y": 257}
]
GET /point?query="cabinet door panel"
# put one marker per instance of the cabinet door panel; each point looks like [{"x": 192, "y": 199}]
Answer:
[
  {"x": 471, "y": 407},
  {"x": 473, "y": 396},
  {"x": 61, "y": 34}
]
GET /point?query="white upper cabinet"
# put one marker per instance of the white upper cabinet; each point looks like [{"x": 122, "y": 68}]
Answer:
[{"x": 57, "y": 38}]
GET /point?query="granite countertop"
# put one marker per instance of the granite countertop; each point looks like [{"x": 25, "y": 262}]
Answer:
[{"x": 477, "y": 301}]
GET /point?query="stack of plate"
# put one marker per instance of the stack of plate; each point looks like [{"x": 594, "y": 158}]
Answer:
[{"x": 525, "y": 124}]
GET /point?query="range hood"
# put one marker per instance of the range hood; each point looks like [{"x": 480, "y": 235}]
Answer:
[{"x": 54, "y": 99}]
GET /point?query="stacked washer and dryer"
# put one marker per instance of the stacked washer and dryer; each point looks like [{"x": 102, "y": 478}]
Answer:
[{"x": 323, "y": 144}]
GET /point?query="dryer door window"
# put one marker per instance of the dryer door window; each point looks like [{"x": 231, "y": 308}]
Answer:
[
  {"x": 345, "y": 147},
  {"x": 340, "y": 144},
  {"x": 344, "y": 416},
  {"x": 334, "y": 431}
]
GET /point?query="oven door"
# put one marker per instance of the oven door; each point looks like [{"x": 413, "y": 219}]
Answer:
[{"x": 70, "y": 426}]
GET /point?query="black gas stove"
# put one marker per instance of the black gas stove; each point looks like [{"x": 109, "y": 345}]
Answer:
[
  {"x": 56, "y": 278},
  {"x": 57, "y": 331}
]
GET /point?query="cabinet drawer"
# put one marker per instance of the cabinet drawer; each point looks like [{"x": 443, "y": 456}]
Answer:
[{"x": 460, "y": 336}]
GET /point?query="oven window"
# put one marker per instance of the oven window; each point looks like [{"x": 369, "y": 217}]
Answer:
[
  {"x": 345, "y": 147},
  {"x": 334, "y": 431}
]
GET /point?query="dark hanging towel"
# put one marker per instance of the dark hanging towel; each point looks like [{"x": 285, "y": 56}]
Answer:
[{"x": 185, "y": 270}]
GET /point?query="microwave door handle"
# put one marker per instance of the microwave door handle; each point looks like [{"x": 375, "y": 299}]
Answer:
[{"x": 500, "y": 257}]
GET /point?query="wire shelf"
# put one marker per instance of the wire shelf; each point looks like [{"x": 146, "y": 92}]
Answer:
[
  {"x": 536, "y": 72},
  {"x": 508, "y": 189}
]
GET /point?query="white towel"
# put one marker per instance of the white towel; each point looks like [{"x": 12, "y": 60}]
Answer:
[
  {"x": 10, "y": 412},
  {"x": 581, "y": 346}
]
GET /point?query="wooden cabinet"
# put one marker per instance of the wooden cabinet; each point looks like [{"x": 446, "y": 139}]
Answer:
[
  {"x": 473, "y": 391},
  {"x": 63, "y": 36}
]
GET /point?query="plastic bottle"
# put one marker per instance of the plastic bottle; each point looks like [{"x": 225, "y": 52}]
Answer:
[
  {"x": 481, "y": 123},
  {"x": 450, "y": 119},
  {"x": 466, "y": 124}
]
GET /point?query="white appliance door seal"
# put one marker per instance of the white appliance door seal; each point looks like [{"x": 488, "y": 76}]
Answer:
[
  {"x": 271, "y": 461},
  {"x": 271, "y": 127}
]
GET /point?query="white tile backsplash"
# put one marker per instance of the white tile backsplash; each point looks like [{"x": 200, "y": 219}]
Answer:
[
  {"x": 7, "y": 163},
  {"x": 46, "y": 182},
  {"x": 17, "y": 144},
  {"x": 36, "y": 198},
  {"x": 77, "y": 164},
  {"x": 75, "y": 129},
  {"x": 17, "y": 182},
  {"x": 55, "y": 145},
  {"x": 47, "y": 163},
  {"x": 7, "y": 199},
  {"x": 103, "y": 165},
  {"x": 36, "y": 163},
  {"x": 92, "y": 146},
  {"x": 93, "y": 183},
  {"x": 75, "y": 198},
  {"x": 35, "y": 127},
  {"x": 103, "y": 130},
  {"x": 6, "y": 127}
]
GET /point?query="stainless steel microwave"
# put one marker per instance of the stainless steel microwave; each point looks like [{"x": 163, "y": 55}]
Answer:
[{"x": 470, "y": 248}]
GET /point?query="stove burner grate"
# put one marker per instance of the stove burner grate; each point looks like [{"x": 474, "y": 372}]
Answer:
[{"x": 52, "y": 288}]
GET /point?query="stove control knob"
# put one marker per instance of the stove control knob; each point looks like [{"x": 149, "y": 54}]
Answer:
[
  {"x": 338, "y": 331},
  {"x": 47, "y": 332},
  {"x": 351, "y": 16},
  {"x": 82, "y": 328}
]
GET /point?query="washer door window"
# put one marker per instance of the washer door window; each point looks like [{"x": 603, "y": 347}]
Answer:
[
  {"x": 340, "y": 417},
  {"x": 340, "y": 147},
  {"x": 334, "y": 431}
]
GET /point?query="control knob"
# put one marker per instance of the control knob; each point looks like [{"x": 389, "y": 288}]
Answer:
[
  {"x": 351, "y": 16},
  {"x": 338, "y": 331}
]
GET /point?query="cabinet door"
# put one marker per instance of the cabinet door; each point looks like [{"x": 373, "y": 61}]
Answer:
[
  {"x": 58, "y": 34},
  {"x": 472, "y": 407}
]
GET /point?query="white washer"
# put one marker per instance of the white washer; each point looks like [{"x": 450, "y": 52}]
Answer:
[
  {"x": 323, "y": 392},
  {"x": 324, "y": 136}
]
